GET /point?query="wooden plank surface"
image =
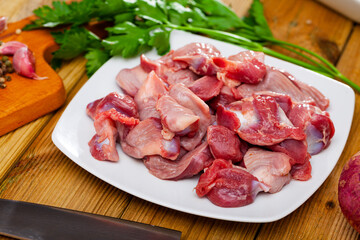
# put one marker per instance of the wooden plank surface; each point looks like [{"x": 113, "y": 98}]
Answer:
[{"x": 33, "y": 169}]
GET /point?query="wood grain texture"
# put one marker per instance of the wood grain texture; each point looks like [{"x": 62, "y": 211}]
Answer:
[
  {"x": 33, "y": 169},
  {"x": 308, "y": 24}
]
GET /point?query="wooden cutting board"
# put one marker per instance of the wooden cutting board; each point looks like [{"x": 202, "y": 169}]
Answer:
[{"x": 24, "y": 99}]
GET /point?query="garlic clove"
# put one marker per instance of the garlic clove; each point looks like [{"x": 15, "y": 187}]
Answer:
[
  {"x": 3, "y": 24},
  {"x": 24, "y": 64},
  {"x": 9, "y": 48}
]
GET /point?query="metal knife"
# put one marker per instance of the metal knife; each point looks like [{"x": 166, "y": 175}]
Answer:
[{"x": 34, "y": 221}]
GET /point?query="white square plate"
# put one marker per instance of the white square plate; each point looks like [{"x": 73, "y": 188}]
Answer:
[{"x": 75, "y": 129}]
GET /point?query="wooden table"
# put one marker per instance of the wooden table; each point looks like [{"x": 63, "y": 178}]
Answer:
[{"x": 32, "y": 169}]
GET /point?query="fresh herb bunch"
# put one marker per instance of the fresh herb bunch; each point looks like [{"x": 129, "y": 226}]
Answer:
[{"x": 140, "y": 25}]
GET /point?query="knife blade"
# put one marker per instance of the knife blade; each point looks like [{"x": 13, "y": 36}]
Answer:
[{"x": 26, "y": 220}]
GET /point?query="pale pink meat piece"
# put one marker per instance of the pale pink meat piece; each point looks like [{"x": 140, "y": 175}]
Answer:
[
  {"x": 175, "y": 117},
  {"x": 186, "y": 165},
  {"x": 270, "y": 168},
  {"x": 185, "y": 76},
  {"x": 145, "y": 139},
  {"x": 224, "y": 143},
  {"x": 103, "y": 144},
  {"x": 206, "y": 87},
  {"x": 245, "y": 67},
  {"x": 275, "y": 81},
  {"x": 109, "y": 113},
  {"x": 199, "y": 57},
  {"x": 316, "y": 124},
  {"x": 131, "y": 79},
  {"x": 147, "y": 96},
  {"x": 164, "y": 67},
  {"x": 321, "y": 101},
  {"x": 188, "y": 99},
  {"x": 122, "y": 103},
  {"x": 227, "y": 185},
  {"x": 259, "y": 120}
]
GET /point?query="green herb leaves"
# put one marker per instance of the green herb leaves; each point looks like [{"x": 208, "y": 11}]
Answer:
[
  {"x": 76, "y": 41},
  {"x": 140, "y": 25}
]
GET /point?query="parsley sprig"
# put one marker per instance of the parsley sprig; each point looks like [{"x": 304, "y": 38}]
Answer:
[{"x": 140, "y": 25}]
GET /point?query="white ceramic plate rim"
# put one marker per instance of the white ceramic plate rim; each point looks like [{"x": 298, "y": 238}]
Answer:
[{"x": 74, "y": 129}]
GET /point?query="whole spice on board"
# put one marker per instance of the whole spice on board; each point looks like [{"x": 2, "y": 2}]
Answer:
[{"x": 6, "y": 67}]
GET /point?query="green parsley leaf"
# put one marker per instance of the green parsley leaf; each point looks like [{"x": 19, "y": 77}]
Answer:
[
  {"x": 219, "y": 16},
  {"x": 160, "y": 39},
  {"x": 75, "y": 13},
  {"x": 127, "y": 40},
  {"x": 257, "y": 19},
  {"x": 152, "y": 10},
  {"x": 124, "y": 17},
  {"x": 95, "y": 59},
  {"x": 107, "y": 9},
  {"x": 73, "y": 42}
]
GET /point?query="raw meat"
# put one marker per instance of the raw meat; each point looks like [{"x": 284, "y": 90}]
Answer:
[
  {"x": 296, "y": 149},
  {"x": 227, "y": 185},
  {"x": 145, "y": 139},
  {"x": 187, "y": 165},
  {"x": 277, "y": 81},
  {"x": 224, "y": 143},
  {"x": 103, "y": 144},
  {"x": 199, "y": 57},
  {"x": 321, "y": 101},
  {"x": 245, "y": 67},
  {"x": 270, "y": 168},
  {"x": 163, "y": 67},
  {"x": 185, "y": 76},
  {"x": 175, "y": 117},
  {"x": 259, "y": 120},
  {"x": 147, "y": 96},
  {"x": 269, "y": 125},
  {"x": 122, "y": 103},
  {"x": 188, "y": 99},
  {"x": 206, "y": 87},
  {"x": 301, "y": 172},
  {"x": 316, "y": 124},
  {"x": 131, "y": 79},
  {"x": 108, "y": 112}
]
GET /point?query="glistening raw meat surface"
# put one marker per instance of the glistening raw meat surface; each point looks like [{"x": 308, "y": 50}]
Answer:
[{"x": 194, "y": 105}]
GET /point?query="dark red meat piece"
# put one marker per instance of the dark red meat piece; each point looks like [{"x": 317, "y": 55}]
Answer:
[
  {"x": 248, "y": 67},
  {"x": 224, "y": 143},
  {"x": 226, "y": 185},
  {"x": 224, "y": 98},
  {"x": 296, "y": 149},
  {"x": 301, "y": 172},
  {"x": 262, "y": 121}
]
